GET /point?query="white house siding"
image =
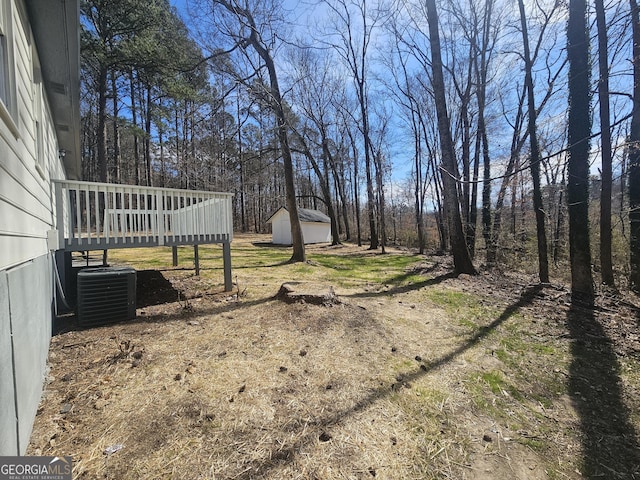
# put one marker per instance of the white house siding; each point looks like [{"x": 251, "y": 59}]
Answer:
[{"x": 28, "y": 162}]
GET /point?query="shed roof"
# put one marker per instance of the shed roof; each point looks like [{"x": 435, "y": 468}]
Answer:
[{"x": 305, "y": 215}]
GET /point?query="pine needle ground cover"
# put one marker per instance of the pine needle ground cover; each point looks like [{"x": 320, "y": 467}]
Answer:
[{"x": 412, "y": 373}]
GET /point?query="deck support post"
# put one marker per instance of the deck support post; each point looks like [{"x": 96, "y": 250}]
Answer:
[
  {"x": 196, "y": 259},
  {"x": 174, "y": 254},
  {"x": 105, "y": 258},
  {"x": 226, "y": 258}
]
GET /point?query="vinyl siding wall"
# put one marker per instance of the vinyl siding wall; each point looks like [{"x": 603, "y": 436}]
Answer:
[{"x": 28, "y": 162}]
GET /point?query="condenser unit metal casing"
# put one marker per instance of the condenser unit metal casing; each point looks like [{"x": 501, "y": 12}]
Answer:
[{"x": 106, "y": 295}]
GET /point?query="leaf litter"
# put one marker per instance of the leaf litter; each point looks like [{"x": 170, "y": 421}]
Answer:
[{"x": 461, "y": 378}]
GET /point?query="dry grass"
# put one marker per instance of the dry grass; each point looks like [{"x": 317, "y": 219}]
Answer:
[{"x": 417, "y": 375}]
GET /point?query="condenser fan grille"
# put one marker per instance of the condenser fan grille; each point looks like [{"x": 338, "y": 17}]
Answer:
[{"x": 106, "y": 295}]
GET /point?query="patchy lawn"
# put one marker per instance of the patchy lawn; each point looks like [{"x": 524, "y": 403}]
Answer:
[{"x": 412, "y": 374}]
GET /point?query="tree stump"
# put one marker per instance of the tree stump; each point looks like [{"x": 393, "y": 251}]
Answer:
[{"x": 302, "y": 292}]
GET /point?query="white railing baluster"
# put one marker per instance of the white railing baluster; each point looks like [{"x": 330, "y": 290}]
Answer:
[
  {"x": 130, "y": 219},
  {"x": 96, "y": 193},
  {"x": 141, "y": 222},
  {"x": 134, "y": 215},
  {"x": 78, "y": 216},
  {"x": 160, "y": 210},
  {"x": 194, "y": 218},
  {"x": 87, "y": 215}
]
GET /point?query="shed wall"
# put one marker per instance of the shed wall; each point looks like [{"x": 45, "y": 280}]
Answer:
[
  {"x": 316, "y": 232},
  {"x": 281, "y": 229},
  {"x": 312, "y": 232}
]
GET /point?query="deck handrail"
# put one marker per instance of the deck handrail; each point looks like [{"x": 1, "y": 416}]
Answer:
[{"x": 96, "y": 216}]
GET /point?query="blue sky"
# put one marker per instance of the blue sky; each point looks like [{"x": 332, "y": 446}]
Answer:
[{"x": 305, "y": 14}]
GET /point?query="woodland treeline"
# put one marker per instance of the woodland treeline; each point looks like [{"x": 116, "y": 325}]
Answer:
[{"x": 502, "y": 131}]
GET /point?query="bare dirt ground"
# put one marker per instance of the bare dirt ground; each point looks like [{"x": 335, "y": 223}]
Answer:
[{"x": 486, "y": 377}]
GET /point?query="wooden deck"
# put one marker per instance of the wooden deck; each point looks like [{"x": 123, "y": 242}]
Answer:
[{"x": 103, "y": 216}]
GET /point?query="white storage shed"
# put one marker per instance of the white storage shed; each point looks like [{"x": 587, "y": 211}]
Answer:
[{"x": 316, "y": 226}]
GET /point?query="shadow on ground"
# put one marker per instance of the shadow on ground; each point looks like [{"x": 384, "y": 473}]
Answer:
[
  {"x": 285, "y": 454},
  {"x": 395, "y": 290},
  {"x": 152, "y": 288},
  {"x": 270, "y": 245},
  {"x": 609, "y": 440}
]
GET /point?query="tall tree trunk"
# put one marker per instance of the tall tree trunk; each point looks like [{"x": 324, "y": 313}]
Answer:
[
  {"x": 356, "y": 186},
  {"x": 461, "y": 258},
  {"x": 163, "y": 169},
  {"x": 102, "y": 125},
  {"x": 513, "y": 221},
  {"x": 326, "y": 191},
  {"x": 379, "y": 164},
  {"x": 557, "y": 236},
  {"x": 243, "y": 213},
  {"x": 606, "y": 264},
  {"x": 508, "y": 179},
  {"x": 441, "y": 221},
  {"x": 623, "y": 189},
  {"x": 418, "y": 185},
  {"x": 371, "y": 199},
  {"x": 481, "y": 93},
  {"x": 115, "y": 176},
  {"x": 147, "y": 139},
  {"x": 184, "y": 146},
  {"x": 578, "y": 164},
  {"x": 134, "y": 121},
  {"x": 634, "y": 156},
  {"x": 465, "y": 190},
  {"x": 360, "y": 74},
  {"x": 323, "y": 179},
  {"x": 339, "y": 181},
  {"x": 283, "y": 138},
  {"x": 179, "y": 164},
  {"x": 486, "y": 192},
  {"x": 543, "y": 260}
]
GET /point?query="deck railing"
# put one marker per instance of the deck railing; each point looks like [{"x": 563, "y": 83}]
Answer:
[{"x": 100, "y": 216}]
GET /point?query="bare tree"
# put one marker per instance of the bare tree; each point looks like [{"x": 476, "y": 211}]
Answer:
[
  {"x": 541, "y": 50},
  {"x": 461, "y": 258},
  {"x": 403, "y": 89},
  {"x": 460, "y": 68},
  {"x": 634, "y": 155},
  {"x": 380, "y": 162},
  {"x": 250, "y": 35},
  {"x": 578, "y": 137},
  {"x": 543, "y": 260},
  {"x": 605, "y": 147},
  {"x": 414, "y": 91},
  {"x": 481, "y": 64},
  {"x": 476, "y": 22},
  {"x": 356, "y": 177},
  {"x": 317, "y": 93},
  {"x": 355, "y": 25}
]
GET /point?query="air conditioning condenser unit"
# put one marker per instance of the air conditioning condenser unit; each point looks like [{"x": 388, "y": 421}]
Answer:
[{"x": 106, "y": 295}]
